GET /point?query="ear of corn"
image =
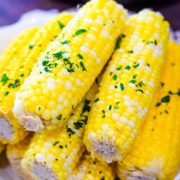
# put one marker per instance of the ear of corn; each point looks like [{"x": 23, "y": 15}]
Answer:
[
  {"x": 70, "y": 65},
  {"x": 155, "y": 154},
  {"x": 53, "y": 153},
  {"x": 18, "y": 61},
  {"x": 10, "y": 80},
  {"x": 89, "y": 169},
  {"x": 15, "y": 154},
  {"x": 127, "y": 87}
]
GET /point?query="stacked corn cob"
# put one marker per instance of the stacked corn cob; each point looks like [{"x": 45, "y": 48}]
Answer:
[
  {"x": 127, "y": 87},
  {"x": 70, "y": 65},
  {"x": 17, "y": 63},
  {"x": 155, "y": 154}
]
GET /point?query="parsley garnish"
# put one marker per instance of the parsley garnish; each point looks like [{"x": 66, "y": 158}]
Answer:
[
  {"x": 118, "y": 41},
  {"x": 82, "y": 66},
  {"x": 59, "y": 117},
  {"x": 122, "y": 86},
  {"x": 4, "y": 78},
  {"x": 59, "y": 54},
  {"x": 78, "y": 124},
  {"x": 119, "y": 68},
  {"x": 86, "y": 107},
  {"x": 61, "y": 26},
  {"x": 110, "y": 107},
  {"x": 127, "y": 67},
  {"x": 136, "y": 65},
  {"x": 57, "y": 142},
  {"x": 65, "y": 42},
  {"x": 31, "y": 46},
  {"x": 80, "y": 56},
  {"x": 115, "y": 77},
  {"x": 96, "y": 100},
  {"x": 6, "y": 93},
  {"x": 80, "y": 31},
  {"x": 15, "y": 84},
  {"x": 131, "y": 51},
  {"x": 165, "y": 99},
  {"x": 70, "y": 131}
]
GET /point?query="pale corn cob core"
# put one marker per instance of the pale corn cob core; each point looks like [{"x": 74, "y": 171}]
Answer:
[
  {"x": 54, "y": 152},
  {"x": 70, "y": 65},
  {"x": 15, "y": 154},
  {"x": 89, "y": 169},
  {"x": 155, "y": 154},
  {"x": 18, "y": 61},
  {"x": 127, "y": 87}
]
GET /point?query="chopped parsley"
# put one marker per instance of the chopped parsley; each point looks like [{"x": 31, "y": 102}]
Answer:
[
  {"x": 119, "y": 68},
  {"x": 165, "y": 99},
  {"x": 4, "y": 78},
  {"x": 57, "y": 142},
  {"x": 80, "y": 31},
  {"x": 118, "y": 41},
  {"x": 59, "y": 54},
  {"x": 59, "y": 117},
  {"x": 15, "y": 84},
  {"x": 115, "y": 77},
  {"x": 122, "y": 86},
  {"x": 80, "y": 56},
  {"x": 31, "y": 46},
  {"x": 110, "y": 107},
  {"x": 65, "y": 42},
  {"x": 78, "y": 124},
  {"x": 60, "y": 24},
  {"x": 104, "y": 115},
  {"x": 86, "y": 107},
  {"x": 130, "y": 52},
  {"x": 96, "y": 100},
  {"x": 127, "y": 67},
  {"x": 140, "y": 90},
  {"x": 132, "y": 81},
  {"x": 69, "y": 131},
  {"x": 21, "y": 74},
  {"x": 6, "y": 93},
  {"x": 82, "y": 66},
  {"x": 136, "y": 65}
]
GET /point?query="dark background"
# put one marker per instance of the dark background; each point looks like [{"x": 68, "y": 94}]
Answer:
[{"x": 11, "y": 10}]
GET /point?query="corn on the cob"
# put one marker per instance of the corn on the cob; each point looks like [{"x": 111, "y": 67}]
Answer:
[
  {"x": 155, "y": 154},
  {"x": 69, "y": 67},
  {"x": 17, "y": 66},
  {"x": 54, "y": 152},
  {"x": 89, "y": 169},
  {"x": 15, "y": 154},
  {"x": 127, "y": 87}
]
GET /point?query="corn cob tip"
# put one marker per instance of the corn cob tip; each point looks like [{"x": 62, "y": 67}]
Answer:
[
  {"x": 138, "y": 175},
  {"x": 42, "y": 171},
  {"x": 107, "y": 150},
  {"x": 6, "y": 130},
  {"x": 30, "y": 121}
]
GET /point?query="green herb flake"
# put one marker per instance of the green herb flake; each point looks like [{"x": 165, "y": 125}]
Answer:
[
  {"x": 57, "y": 142},
  {"x": 130, "y": 52},
  {"x": 6, "y": 93},
  {"x": 82, "y": 66},
  {"x": 80, "y": 31},
  {"x": 110, "y": 107},
  {"x": 59, "y": 54},
  {"x": 59, "y": 117},
  {"x": 46, "y": 69},
  {"x": 65, "y": 42},
  {"x": 166, "y": 99},
  {"x": 136, "y": 65},
  {"x": 61, "y": 147},
  {"x": 86, "y": 107},
  {"x": 4, "y": 78},
  {"x": 134, "y": 76},
  {"x": 118, "y": 41},
  {"x": 96, "y": 100},
  {"x": 70, "y": 131},
  {"x": 21, "y": 74},
  {"x": 122, "y": 86},
  {"x": 104, "y": 115},
  {"x": 140, "y": 90},
  {"x": 80, "y": 56},
  {"x": 15, "y": 84},
  {"x": 60, "y": 24},
  {"x": 127, "y": 67},
  {"x": 119, "y": 68},
  {"x": 132, "y": 81},
  {"x": 78, "y": 124},
  {"x": 115, "y": 77},
  {"x": 31, "y": 46}
]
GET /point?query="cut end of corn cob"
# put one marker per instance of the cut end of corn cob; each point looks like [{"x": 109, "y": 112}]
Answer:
[
  {"x": 6, "y": 130},
  {"x": 42, "y": 171}
]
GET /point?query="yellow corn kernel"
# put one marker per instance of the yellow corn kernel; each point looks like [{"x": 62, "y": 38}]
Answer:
[
  {"x": 70, "y": 65},
  {"x": 18, "y": 61},
  {"x": 155, "y": 154},
  {"x": 15, "y": 154},
  {"x": 89, "y": 169},
  {"x": 53, "y": 153},
  {"x": 127, "y": 87}
]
